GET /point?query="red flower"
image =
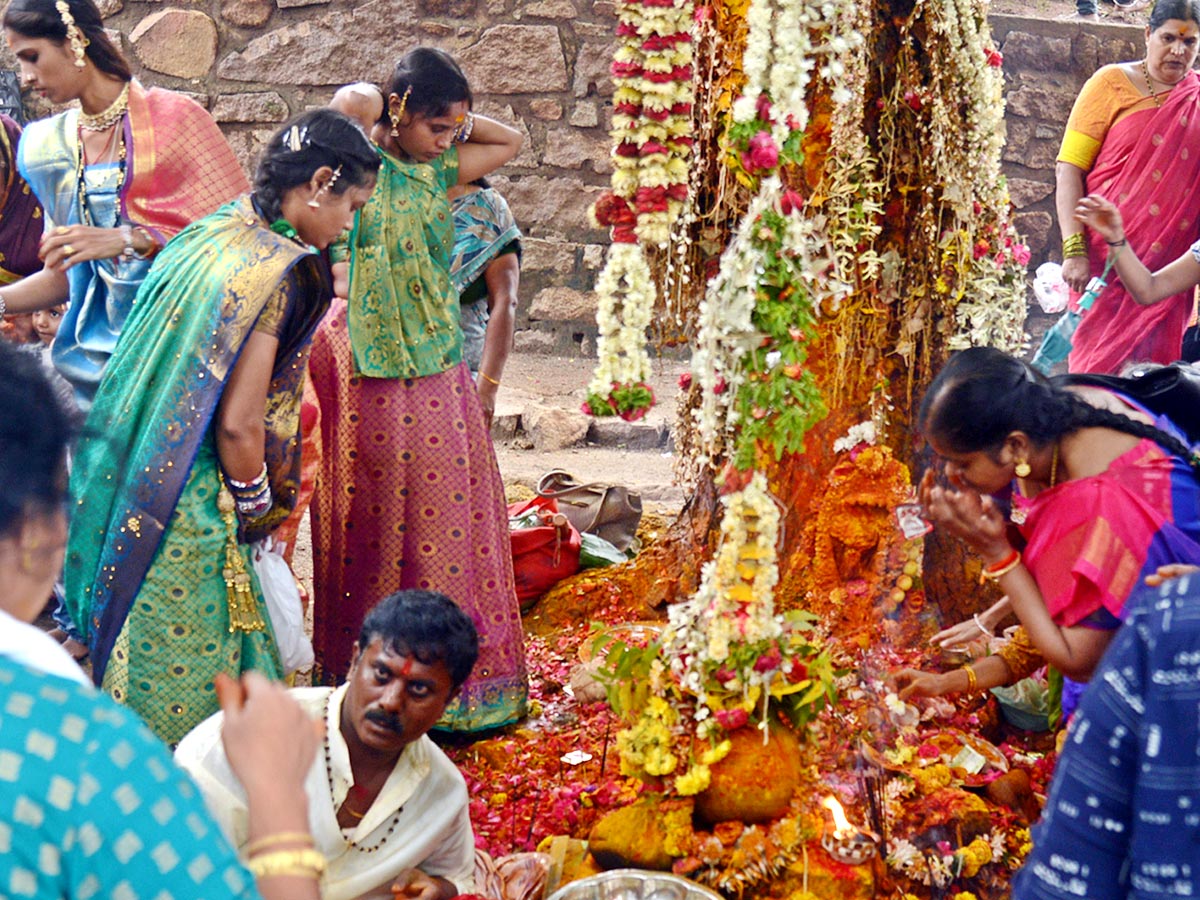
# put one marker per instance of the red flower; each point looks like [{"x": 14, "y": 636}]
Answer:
[
  {"x": 762, "y": 108},
  {"x": 798, "y": 672},
  {"x": 793, "y": 370},
  {"x": 612, "y": 210},
  {"x": 721, "y": 386},
  {"x": 791, "y": 202},
  {"x": 731, "y": 719},
  {"x": 769, "y": 660},
  {"x": 650, "y": 148},
  {"x": 685, "y": 381},
  {"x": 724, "y": 675},
  {"x": 995, "y": 58},
  {"x": 982, "y": 249},
  {"x": 762, "y": 153},
  {"x": 913, "y": 99}
]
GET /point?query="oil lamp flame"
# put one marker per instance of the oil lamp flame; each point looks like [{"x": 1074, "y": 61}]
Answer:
[{"x": 840, "y": 822}]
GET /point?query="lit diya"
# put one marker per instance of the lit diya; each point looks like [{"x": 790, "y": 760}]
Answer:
[{"x": 846, "y": 843}]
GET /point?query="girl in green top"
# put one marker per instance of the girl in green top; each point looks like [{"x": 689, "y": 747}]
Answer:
[{"x": 409, "y": 494}]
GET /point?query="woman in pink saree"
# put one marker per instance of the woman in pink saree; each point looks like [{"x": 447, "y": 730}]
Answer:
[{"x": 1134, "y": 138}]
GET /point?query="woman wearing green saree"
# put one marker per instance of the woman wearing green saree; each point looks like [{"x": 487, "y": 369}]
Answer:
[{"x": 191, "y": 449}]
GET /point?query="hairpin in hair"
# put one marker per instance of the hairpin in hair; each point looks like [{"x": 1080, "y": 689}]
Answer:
[
  {"x": 397, "y": 114},
  {"x": 75, "y": 37}
]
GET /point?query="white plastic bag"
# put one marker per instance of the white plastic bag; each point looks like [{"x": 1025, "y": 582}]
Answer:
[
  {"x": 282, "y": 594},
  {"x": 1049, "y": 288}
]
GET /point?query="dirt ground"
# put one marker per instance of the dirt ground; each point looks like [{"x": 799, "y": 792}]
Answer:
[{"x": 1065, "y": 9}]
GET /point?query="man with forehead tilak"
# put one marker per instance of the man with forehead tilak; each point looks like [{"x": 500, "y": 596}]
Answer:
[{"x": 387, "y": 808}]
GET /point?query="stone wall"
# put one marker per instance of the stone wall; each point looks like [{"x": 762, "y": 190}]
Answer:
[{"x": 543, "y": 66}]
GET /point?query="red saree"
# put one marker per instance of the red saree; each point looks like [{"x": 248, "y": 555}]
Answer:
[{"x": 1148, "y": 165}]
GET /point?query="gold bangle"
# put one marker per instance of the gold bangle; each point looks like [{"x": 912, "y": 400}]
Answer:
[
  {"x": 972, "y": 680},
  {"x": 307, "y": 863},
  {"x": 486, "y": 377},
  {"x": 1074, "y": 245},
  {"x": 280, "y": 837}
]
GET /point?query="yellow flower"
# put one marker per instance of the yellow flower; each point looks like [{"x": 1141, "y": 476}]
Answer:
[
  {"x": 498, "y": 799},
  {"x": 975, "y": 855},
  {"x": 717, "y": 753},
  {"x": 965, "y": 895},
  {"x": 693, "y": 781},
  {"x": 930, "y": 779}
]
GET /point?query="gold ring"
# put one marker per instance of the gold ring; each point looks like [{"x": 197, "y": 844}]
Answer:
[
  {"x": 61, "y": 229},
  {"x": 68, "y": 250}
]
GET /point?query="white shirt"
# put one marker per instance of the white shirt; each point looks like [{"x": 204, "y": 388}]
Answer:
[
  {"x": 432, "y": 833},
  {"x": 30, "y": 646}
]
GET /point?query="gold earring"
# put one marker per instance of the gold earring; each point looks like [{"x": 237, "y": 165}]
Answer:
[{"x": 1022, "y": 469}]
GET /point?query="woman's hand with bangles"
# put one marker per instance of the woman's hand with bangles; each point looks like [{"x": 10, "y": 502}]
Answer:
[{"x": 915, "y": 683}]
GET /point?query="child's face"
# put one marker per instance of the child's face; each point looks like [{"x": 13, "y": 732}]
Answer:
[{"x": 46, "y": 322}]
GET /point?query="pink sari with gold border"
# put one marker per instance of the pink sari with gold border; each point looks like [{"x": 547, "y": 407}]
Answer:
[{"x": 1149, "y": 166}]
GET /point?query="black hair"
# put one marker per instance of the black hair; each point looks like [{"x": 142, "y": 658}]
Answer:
[
  {"x": 983, "y": 395},
  {"x": 319, "y": 137},
  {"x": 1165, "y": 10},
  {"x": 41, "y": 19},
  {"x": 428, "y": 625},
  {"x": 435, "y": 79},
  {"x": 35, "y": 430}
]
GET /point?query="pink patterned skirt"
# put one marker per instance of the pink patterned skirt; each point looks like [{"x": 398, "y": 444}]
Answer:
[{"x": 409, "y": 496}]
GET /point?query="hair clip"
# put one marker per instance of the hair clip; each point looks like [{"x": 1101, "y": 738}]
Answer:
[
  {"x": 295, "y": 138},
  {"x": 397, "y": 114},
  {"x": 75, "y": 37}
]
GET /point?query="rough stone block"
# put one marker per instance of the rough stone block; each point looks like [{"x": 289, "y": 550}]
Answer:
[
  {"x": 179, "y": 42},
  {"x": 256, "y": 106},
  {"x": 517, "y": 59},
  {"x": 546, "y": 108},
  {"x": 551, "y": 205},
  {"x": 552, "y": 255},
  {"x": 571, "y": 149},
  {"x": 247, "y": 13},
  {"x": 1025, "y": 192},
  {"x": 288, "y": 4},
  {"x": 110, "y": 8},
  {"x": 562, "y": 304},
  {"x": 592, "y": 68},
  {"x": 584, "y": 115},
  {"x": 1035, "y": 227},
  {"x": 1037, "y": 52},
  {"x": 613, "y": 432},
  {"x": 321, "y": 50},
  {"x": 530, "y": 340},
  {"x": 1036, "y": 101},
  {"x": 550, "y": 9},
  {"x": 457, "y": 9},
  {"x": 551, "y": 428},
  {"x": 593, "y": 255}
]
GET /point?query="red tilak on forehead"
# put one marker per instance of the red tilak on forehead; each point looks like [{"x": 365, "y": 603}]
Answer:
[{"x": 406, "y": 669}]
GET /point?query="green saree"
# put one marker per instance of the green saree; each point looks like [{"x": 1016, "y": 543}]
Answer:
[{"x": 146, "y": 553}]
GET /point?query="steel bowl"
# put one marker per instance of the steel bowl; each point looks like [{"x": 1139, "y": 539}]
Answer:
[{"x": 634, "y": 884}]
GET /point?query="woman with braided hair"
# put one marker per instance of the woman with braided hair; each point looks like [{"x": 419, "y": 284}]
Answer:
[{"x": 1106, "y": 493}]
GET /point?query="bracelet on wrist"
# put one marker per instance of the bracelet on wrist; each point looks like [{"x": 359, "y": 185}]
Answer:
[
  {"x": 129, "y": 252},
  {"x": 307, "y": 863},
  {"x": 1121, "y": 243},
  {"x": 254, "y": 484},
  {"x": 489, "y": 379},
  {"x": 972, "y": 679},
  {"x": 1002, "y": 567},
  {"x": 3, "y": 307},
  {"x": 979, "y": 624}
]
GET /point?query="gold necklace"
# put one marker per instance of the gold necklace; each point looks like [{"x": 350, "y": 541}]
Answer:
[
  {"x": 109, "y": 117},
  {"x": 1150, "y": 84},
  {"x": 1054, "y": 466}
]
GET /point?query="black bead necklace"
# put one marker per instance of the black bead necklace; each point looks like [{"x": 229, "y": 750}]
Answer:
[
  {"x": 333, "y": 799},
  {"x": 85, "y": 213}
]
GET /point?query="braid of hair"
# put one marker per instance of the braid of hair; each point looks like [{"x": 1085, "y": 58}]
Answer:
[{"x": 1081, "y": 414}]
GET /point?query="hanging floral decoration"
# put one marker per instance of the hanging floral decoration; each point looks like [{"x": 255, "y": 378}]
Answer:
[
  {"x": 725, "y": 660},
  {"x": 652, "y": 134}
]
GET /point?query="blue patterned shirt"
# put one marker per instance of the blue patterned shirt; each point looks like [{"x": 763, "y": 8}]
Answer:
[
  {"x": 1123, "y": 816},
  {"x": 92, "y": 805}
]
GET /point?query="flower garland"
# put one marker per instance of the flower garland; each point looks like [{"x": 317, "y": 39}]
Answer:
[{"x": 652, "y": 124}]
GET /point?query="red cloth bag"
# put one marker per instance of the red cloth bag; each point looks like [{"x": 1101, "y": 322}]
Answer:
[{"x": 543, "y": 554}]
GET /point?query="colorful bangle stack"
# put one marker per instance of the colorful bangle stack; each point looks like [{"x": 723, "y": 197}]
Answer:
[
  {"x": 1074, "y": 245},
  {"x": 252, "y": 498},
  {"x": 999, "y": 569}
]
